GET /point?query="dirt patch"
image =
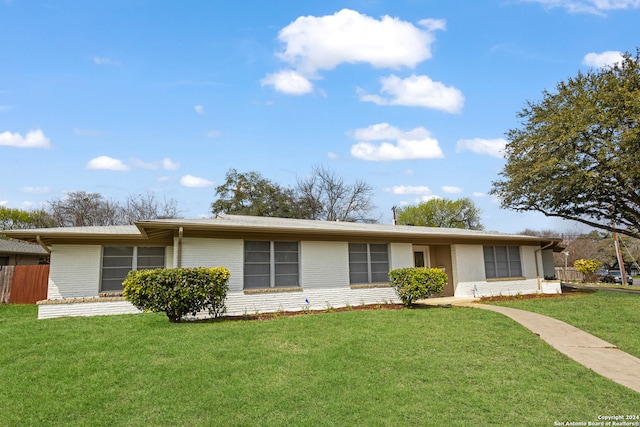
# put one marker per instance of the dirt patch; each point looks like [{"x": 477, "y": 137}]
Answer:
[
  {"x": 279, "y": 314},
  {"x": 532, "y": 296}
]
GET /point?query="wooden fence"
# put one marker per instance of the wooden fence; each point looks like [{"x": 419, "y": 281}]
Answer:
[
  {"x": 570, "y": 274},
  {"x": 23, "y": 284}
]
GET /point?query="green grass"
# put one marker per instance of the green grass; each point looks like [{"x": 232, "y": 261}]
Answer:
[
  {"x": 457, "y": 366},
  {"x": 601, "y": 285},
  {"x": 612, "y": 316}
]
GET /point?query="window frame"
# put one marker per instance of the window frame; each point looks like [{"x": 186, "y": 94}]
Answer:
[
  {"x": 370, "y": 262},
  {"x": 507, "y": 259},
  {"x": 273, "y": 265},
  {"x": 135, "y": 258}
]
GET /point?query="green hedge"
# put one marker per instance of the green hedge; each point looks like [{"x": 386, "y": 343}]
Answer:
[
  {"x": 412, "y": 284},
  {"x": 178, "y": 291}
]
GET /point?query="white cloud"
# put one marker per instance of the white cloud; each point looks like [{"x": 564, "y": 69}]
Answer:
[
  {"x": 479, "y": 194},
  {"x": 169, "y": 164},
  {"x": 199, "y": 109},
  {"x": 331, "y": 155},
  {"x": 491, "y": 147},
  {"x": 596, "y": 7},
  {"x": 33, "y": 139},
  {"x": 451, "y": 189},
  {"x": 165, "y": 163},
  {"x": 407, "y": 189},
  {"x": 601, "y": 60},
  {"x": 35, "y": 190},
  {"x": 4, "y": 202},
  {"x": 107, "y": 163},
  {"x": 195, "y": 182},
  {"x": 417, "y": 91},
  {"x": 386, "y": 131},
  {"x": 406, "y": 145},
  {"x": 427, "y": 198},
  {"x": 321, "y": 43},
  {"x": 99, "y": 60},
  {"x": 289, "y": 82},
  {"x": 313, "y": 43}
]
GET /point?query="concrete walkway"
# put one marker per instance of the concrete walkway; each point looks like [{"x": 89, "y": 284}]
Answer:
[{"x": 598, "y": 355}]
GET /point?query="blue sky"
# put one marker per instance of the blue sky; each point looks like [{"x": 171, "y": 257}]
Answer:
[{"x": 412, "y": 96}]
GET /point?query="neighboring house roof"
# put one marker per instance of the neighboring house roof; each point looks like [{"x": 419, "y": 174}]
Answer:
[
  {"x": 238, "y": 226},
  {"x": 11, "y": 246}
]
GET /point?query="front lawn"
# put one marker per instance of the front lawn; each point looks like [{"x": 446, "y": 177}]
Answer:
[
  {"x": 438, "y": 366},
  {"x": 610, "y": 315}
]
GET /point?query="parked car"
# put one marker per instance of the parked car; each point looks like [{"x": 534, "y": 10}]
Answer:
[
  {"x": 615, "y": 276},
  {"x": 600, "y": 274}
]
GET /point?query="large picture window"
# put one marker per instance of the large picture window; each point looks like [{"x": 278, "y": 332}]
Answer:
[
  {"x": 118, "y": 261},
  {"x": 270, "y": 264},
  {"x": 368, "y": 263},
  {"x": 502, "y": 261}
]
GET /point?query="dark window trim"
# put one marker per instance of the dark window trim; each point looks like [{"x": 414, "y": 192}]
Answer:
[
  {"x": 273, "y": 264},
  {"x": 134, "y": 262},
  {"x": 516, "y": 275},
  {"x": 369, "y": 262}
]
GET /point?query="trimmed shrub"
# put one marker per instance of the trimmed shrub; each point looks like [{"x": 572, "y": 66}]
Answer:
[
  {"x": 588, "y": 267},
  {"x": 412, "y": 284},
  {"x": 178, "y": 291}
]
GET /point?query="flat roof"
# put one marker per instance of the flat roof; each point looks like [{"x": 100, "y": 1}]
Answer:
[
  {"x": 240, "y": 226},
  {"x": 11, "y": 246}
]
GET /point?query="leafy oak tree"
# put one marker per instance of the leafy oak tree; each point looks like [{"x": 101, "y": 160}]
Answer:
[
  {"x": 577, "y": 151},
  {"x": 461, "y": 213},
  {"x": 323, "y": 195},
  {"x": 12, "y": 218},
  {"x": 249, "y": 193}
]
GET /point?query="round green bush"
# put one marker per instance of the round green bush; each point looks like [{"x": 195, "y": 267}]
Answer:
[
  {"x": 412, "y": 284},
  {"x": 178, "y": 291}
]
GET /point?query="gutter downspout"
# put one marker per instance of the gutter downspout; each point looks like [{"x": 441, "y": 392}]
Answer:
[
  {"x": 537, "y": 268},
  {"x": 180, "y": 235},
  {"x": 41, "y": 243}
]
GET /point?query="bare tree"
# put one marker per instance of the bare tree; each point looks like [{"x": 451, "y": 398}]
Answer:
[
  {"x": 325, "y": 196},
  {"x": 81, "y": 208},
  {"x": 147, "y": 206},
  {"x": 577, "y": 245}
]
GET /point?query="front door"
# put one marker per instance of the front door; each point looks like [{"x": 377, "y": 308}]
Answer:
[{"x": 441, "y": 258}]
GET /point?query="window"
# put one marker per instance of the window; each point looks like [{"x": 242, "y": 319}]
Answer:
[
  {"x": 502, "y": 261},
  {"x": 271, "y": 265},
  {"x": 368, "y": 263},
  {"x": 118, "y": 261}
]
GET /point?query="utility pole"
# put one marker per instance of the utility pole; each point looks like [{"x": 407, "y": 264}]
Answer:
[{"x": 616, "y": 244}]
